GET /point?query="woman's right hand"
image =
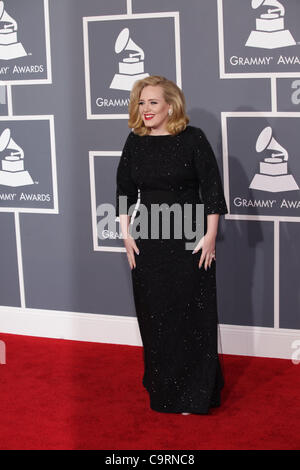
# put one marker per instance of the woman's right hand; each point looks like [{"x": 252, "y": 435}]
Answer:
[{"x": 131, "y": 248}]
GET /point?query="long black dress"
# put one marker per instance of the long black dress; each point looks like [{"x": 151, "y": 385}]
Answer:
[{"x": 175, "y": 301}]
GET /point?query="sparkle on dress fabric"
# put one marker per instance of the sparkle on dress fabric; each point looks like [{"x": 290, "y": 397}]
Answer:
[{"x": 175, "y": 301}]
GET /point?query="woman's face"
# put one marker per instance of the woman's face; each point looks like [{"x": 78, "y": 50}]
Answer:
[{"x": 154, "y": 109}]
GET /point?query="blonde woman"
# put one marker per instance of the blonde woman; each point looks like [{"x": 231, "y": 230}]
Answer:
[{"x": 174, "y": 287}]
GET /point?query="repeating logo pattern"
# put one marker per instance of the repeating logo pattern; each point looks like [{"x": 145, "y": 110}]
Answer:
[
  {"x": 120, "y": 50},
  {"x": 261, "y": 147},
  {"x": 270, "y": 32},
  {"x": 266, "y": 156},
  {"x": 264, "y": 42},
  {"x": 12, "y": 171},
  {"x": 24, "y": 42},
  {"x": 131, "y": 68},
  {"x": 10, "y": 47},
  {"x": 28, "y": 181},
  {"x": 273, "y": 173}
]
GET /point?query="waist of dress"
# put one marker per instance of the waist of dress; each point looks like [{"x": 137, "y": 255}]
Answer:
[{"x": 186, "y": 195}]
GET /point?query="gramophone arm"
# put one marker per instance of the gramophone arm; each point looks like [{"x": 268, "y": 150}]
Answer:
[
  {"x": 141, "y": 54},
  {"x": 277, "y": 6},
  {"x": 283, "y": 154}
]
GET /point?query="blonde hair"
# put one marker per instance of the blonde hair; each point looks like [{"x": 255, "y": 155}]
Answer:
[{"x": 173, "y": 95}]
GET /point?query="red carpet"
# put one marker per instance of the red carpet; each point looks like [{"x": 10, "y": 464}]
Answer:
[{"x": 58, "y": 394}]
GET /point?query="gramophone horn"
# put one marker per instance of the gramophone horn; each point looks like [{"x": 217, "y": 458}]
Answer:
[
  {"x": 266, "y": 141},
  {"x": 6, "y": 142},
  {"x": 4, "y": 138},
  {"x": 1, "y": 9},
  {"x": 123, "y": 42}
]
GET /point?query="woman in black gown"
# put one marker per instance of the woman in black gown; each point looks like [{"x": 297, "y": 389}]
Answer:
[{"x": 164, "y": 160}]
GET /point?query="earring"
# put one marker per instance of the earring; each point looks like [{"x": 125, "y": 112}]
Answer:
[{"x": 170, "y": 112}]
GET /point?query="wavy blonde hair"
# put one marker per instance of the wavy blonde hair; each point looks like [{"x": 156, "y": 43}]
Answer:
[{"x": 173, "y": 95}]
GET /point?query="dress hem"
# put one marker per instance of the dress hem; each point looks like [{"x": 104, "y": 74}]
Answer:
[
  {"x": 185, "y": 410},
  {"x": 204, "y": 411}
]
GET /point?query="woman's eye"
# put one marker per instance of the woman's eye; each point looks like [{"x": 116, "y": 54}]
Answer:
[{"x": 142, "y": 102}]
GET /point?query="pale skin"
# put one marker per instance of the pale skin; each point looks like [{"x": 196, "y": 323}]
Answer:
[{"x": 154, "y": 111}]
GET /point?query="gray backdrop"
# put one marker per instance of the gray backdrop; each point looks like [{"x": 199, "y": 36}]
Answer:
[{"x": 62, "y": 267}]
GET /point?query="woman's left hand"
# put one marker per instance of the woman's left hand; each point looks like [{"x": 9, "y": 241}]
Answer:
[{"x": 208, "y": 245}]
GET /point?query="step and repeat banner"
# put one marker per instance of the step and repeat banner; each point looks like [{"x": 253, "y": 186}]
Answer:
[{"x": 66, "y": 71}]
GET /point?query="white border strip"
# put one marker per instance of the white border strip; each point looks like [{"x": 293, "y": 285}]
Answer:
[
  {"x": 9, "y": 100},
  {"x": 261, "y": 75},
  {"x": 238, "y": 340},
  {"x": 47, "y": 42},
  {"x": 129, "y": 7},
  {"x": 177, "y": 49},
  {"x": 20, "y": 259},
  {"x": 262, "y": 113},
  {"x": 266, "y": 218},
  {"x": 221, "y": 39},
  {"x": 274, "y": 95},
  {"x": 276, "y": 273}
]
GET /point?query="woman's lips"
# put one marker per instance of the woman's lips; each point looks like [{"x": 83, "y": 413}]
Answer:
[{"x": 148, "y": 116}]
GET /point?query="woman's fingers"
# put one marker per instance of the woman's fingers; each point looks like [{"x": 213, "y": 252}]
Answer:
[
  {"x": 133, "y": 264},
  {"x": 131, "y": 256},
  {"x": 131, "y": 259},
  {"x": 134, "y": 250},
  {"x": 201, "y": 262},
  {"x": 207, "y": 259},
  {"x": 208, "y": 251},
  {"x": 207, "y": 262},
  {"x": 202, "y": 258},
  {"x": 131, "y": 248}
]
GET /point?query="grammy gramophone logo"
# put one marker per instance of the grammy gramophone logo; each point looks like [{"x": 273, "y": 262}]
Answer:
[
  {"x": 10, "y": 48},
  {"x": 12, "y": 171},
  {"x": 270, "y": 32},
  {"x": 131, "y": 68},
  {"x": 273, "y": 173}
]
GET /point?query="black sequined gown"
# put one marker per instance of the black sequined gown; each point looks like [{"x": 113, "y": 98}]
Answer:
[{"x": 175, "y": 301}]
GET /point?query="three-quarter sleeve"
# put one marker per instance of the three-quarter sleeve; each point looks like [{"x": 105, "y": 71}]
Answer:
[
  {"x": 125, "y": 184},
  {"x": 208, "y": 176}
]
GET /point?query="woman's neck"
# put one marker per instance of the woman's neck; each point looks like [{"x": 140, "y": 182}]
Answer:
[{"x": 159, "y": 132}]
